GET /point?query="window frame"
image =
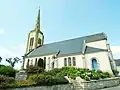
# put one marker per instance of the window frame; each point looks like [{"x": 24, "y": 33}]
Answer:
[
  {"x": 74, "y": 61},
  {"x": 65, "y": 61},
  {"x": 69, "y": 61}
]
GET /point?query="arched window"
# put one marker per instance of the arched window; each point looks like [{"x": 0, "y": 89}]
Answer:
[
  {"x": 94, "y": 64},
  {"x": 41, "y": 63},
  {"x": 44, "y": 62},
  {"x": 69, "y": 61},
  {"x": 65, "y": 61},
  {"x": 31, "y": 41},
  {"x": 32, "y": 62},
  {"x": 39, "y": 41},
  {"x": 44, "y": 58},
  {"x": 52, "y": 65},
  {"x": 74, "y": 61},
  {"x": 28, "y": 63},
  {"x": 36, "y": 62}
]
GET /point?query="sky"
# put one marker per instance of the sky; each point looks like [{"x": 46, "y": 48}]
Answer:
[{"x": 60, "y": 20}]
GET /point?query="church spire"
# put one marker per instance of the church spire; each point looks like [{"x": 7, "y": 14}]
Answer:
[
  {"x": 38, "y": 20},
  {"x": 35, "y": 37}
]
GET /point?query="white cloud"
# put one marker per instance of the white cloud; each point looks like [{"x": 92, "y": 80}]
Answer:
[
  {"x": 14, "y": 51},
  {"x": 116, "y": 51},
  {"x": 2, "y": 31}
]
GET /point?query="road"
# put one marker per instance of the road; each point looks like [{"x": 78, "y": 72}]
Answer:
[{"x": 112, "y": 88}]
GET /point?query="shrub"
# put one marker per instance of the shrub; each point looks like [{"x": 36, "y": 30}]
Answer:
[
  {"x": 53, "y": 72},
  {"x": 25, "y": 83},
  {"x": 73, "y": 72},
  {"x": 13, "y": 85},
  {"x": 37, "y": 78},
  {"x": 34, "y": 69},
  {"x": 5, "y": 81},
  {"x": 60, "y": 80},
  {"x": 42, "y": 79},
  {"x": 7, "y": 71}
]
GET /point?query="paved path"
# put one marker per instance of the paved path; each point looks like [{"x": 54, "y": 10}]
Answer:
[{"x": 112, "y": 88}]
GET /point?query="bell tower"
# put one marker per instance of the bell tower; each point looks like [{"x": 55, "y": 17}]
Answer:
[{"x": 35, "y": 37}]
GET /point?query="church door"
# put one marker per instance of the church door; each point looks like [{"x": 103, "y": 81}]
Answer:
[
  {"x": 41, "y": 63},
  {"x": 94, "y": 64}
]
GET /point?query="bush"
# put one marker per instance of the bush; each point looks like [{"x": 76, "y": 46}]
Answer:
[
  {"x": 34, "y": 69},
  {"x": 42, "y": 79},
  {"x": 5, "y": 81},
  {"x": 7, "y": 71},
  {"x": 37, "y": 78},
  {"x": 73, "y": 72},
  {"x": 52, "y": 77},
  {"x": 60, "y": 80}
]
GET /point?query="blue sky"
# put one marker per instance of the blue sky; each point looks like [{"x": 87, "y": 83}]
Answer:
[{"x": 60, "y": 20}]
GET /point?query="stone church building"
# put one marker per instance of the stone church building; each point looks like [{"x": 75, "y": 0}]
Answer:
[{"x": 92, "y": 51}]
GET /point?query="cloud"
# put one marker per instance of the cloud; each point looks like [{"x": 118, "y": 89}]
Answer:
[
  {"x": 14, "y": 51},
  {"x": 116, "y": 51},
  {"x": 2, "y": 31}
]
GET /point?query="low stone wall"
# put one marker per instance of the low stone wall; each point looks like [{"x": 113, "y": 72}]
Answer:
[
  {"x": 54, "y": 87},
  {"x": 78, "y": 84},
  {"x": 98, "y": 84}
]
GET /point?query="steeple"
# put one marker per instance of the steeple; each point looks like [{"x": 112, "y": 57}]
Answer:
[
  {"x": 35, "y": 37},
  {"x": 37, "y": 27}
]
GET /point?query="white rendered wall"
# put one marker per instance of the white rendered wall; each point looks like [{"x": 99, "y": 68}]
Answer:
[
  {"x": 103, "y": 61},
  {"x": 79, "y": 61},
  {"x": 59, "y": 62},
  {"x": 102, "y": 58},
  {"x": 34, "y": 58},
  {"x": 98, "y": 44}
]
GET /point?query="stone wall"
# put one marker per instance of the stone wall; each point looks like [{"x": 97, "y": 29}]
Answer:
[
  {"x": 54, "y": 87},
  {"x": 78, "y": 84},
  {"x": 98, "y": 84}
]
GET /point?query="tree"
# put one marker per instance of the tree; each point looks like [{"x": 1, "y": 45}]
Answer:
[
  {"x": 0, "y": 59},
  {"x": 13, "y": 61}
]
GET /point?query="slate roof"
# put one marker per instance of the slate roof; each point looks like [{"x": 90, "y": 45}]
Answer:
[
  {"x": 68, "y": 46},
  {"x": 117, "y": 62}
]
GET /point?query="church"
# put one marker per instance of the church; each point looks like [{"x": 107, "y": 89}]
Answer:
[{"x": 92, "y": 52}]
